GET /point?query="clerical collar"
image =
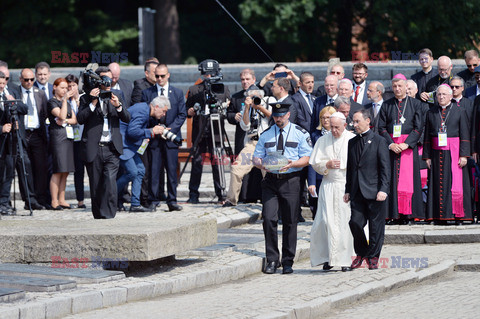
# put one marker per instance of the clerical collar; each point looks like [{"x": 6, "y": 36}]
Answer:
[
  {"x": 431, "y": 68},
  {"x": 402, "y": 99},
  {"x": 458, "y": 99},
  {"x": 365, "y": 133},
  {"x": 444, "y": 107}
]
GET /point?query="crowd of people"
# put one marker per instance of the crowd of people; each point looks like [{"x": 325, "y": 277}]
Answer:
[{"x": 354, "y": 151}]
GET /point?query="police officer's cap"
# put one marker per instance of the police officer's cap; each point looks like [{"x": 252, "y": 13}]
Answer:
[{"x": 280, "y": 108}]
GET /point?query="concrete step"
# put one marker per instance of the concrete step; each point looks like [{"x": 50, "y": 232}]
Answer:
[
  {"x": 35, "y": 284},
  {"x": 11, "y": 294},
  {"x": 63, "y": 270}
]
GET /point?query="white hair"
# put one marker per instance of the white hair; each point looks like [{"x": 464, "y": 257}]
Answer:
[{"x": 161, "y": 101}]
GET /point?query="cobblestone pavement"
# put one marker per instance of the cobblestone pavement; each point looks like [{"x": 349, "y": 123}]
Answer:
[
  {"x": 261, "y": 295},
  {"x": 452, "y": 296}
]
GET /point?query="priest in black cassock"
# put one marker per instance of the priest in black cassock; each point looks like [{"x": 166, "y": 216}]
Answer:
[
  {"x": 444, "y": 66},
  {"x": 446, "y": 148},
  {"x": 401, "y": 124}
]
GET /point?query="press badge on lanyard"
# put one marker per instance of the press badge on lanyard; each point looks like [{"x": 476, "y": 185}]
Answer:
[
  {"x": 30, "y": 121},
  {"x": 442, "y": 136},
  {"x": 397, "y": 130},
  {"x": 69, "y": 130}
]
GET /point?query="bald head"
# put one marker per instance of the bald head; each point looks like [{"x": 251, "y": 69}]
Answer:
[
  {"x": 331, "y": 82},
  {"x": 115, "y": 69},
  {"x": 444, "y": 66}
]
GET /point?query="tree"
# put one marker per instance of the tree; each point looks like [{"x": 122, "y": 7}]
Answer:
[{"x": 167, "y": 37}]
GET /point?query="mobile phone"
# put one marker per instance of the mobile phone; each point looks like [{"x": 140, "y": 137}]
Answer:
[{"x": 280, "y": 75}]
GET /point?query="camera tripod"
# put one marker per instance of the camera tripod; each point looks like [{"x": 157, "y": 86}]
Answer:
[
  {"x": 213, "y": 121},
  {"x": 15, "y": 145}
]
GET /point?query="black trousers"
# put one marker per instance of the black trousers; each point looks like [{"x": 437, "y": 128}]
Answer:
[
  {"x": 281, "y": 198},
  {"x": 374, "y": 212},
  {"x": 79, "y": 174},
  {"x": 102, "y": 175},
  {"x": 206, "y": 145},
  {"x": 36, "y": 148},
  {"x": 164, "y": 159}
]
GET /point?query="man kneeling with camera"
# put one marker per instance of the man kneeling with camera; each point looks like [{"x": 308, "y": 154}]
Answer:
[
  {"x": 254, "y": 121},
  {"x": 136, "y": 136}
]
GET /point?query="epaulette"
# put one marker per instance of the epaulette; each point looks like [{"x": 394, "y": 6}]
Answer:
[
  {"x": 298, "y": 127},
  {"x": 266, "y": 129}
]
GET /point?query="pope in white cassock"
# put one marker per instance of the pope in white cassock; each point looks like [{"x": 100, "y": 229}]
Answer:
[{"x": 331, "y": 241}]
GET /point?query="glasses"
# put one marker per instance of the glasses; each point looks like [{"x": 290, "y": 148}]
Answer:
[
  {"x": 335, "y": 72},
  {"x": 424, "y": 59},
  {"x": 325, "y": 118},
  {"x": 472, "y": 65},
  {"x": 456, "y": 86},
  {"x": 160, "y": 75},
  {"x": 28, "y": 80},
  {"x": 355, "y": 73}
]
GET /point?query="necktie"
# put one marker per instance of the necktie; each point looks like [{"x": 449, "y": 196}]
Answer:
[
  {"x": 374, "y": 105},
  {"x": 2, "y": 98},
  {"x": 161, "y": 91},
  {"x": 357, "y": 90},
  {"x": 330, "y": 101},
  {"x": 280, "y": 141},
  {"x": 29, "y": 103},
  {"x": 46, "y": 93},
  {"x": 310, "y": 102}
]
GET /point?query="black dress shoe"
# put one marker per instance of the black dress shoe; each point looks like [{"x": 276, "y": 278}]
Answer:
[
  {"x": 227, "y": 204},
  {"x": 140, "y": 209},
  {"x": 287, "y": 270},
  {"x": 326, "y": 266},
  {"x": 57, "y": 208},
  {"x": 174, "y": 207},
  {"x": 345, "y": 269},
  {"x": 301, "y": 219},
  {"x": 82, "y": 206},
  {"x": 193, "y": 200},
  {"x": 357, "y": 262},
  {"x": 271, "y": 267},
  {"x": 66, "y": 207},
  {"x": 372, "y": 263},
  {"x": 35, "y": 206}
]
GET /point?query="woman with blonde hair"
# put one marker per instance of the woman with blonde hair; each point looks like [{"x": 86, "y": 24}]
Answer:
[
  {"x": 61, "y": 141},
  {"x": 314, "y": 179}
]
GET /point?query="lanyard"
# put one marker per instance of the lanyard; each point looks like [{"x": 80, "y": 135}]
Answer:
[{"x": 446, "y": 117}]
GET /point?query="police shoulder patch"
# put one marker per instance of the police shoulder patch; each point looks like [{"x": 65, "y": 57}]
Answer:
[
  {"x": 309, "y": 141},
  {"x": 301, "y": 129}
]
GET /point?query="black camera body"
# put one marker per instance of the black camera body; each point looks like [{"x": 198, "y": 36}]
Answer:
[{"x": 92, "y": 80}]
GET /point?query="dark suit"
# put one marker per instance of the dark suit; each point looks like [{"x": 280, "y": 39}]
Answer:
[
  {"x": 36, "y": 147},
  {"x": 318, "y": 105},
  {"x": 304, "y": 113},
  {"x": 238, "y": 100},
  {"x": 368, "y": 172},
  {"x": 47, "y": 86},
  {"x": 102, "y": 160},
  {"x": 471, "y": 92},
  {"x": 374, "y": 122},
  {"x": 468, "y": 77},
  {"x": 126, "y": 86},
  {"x": 8, "y": 150},
  {"x": 138, "y": 86},
  {"x": 165, "y": 153},
  {"x": 365, "y": 99}
]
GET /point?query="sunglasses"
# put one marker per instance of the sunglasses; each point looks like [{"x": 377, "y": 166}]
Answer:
[
  {"x": 160, "y": 75},
  {"x": 335, "y": 72},
  {"x": 27, "y": 80},
  {"x": 456, "y": 86},
  {"x": 472, "y": 65}
]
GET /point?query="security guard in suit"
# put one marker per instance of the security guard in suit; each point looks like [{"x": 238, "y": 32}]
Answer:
[{"x": 280, "y": 189}]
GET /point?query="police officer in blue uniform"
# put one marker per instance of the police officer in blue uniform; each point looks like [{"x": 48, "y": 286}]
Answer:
[{"x": 280, "y": 189}]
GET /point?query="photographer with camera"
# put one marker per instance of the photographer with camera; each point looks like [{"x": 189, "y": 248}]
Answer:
[
  {"x": 204, "y": 99},
  {"x": 101, "y": 112},
  {"x": 10, "y": 157},
  {"x": 254, "y": 121},
  {"x": 136, "y": 136},
  {"x": 164, "y": 152}
]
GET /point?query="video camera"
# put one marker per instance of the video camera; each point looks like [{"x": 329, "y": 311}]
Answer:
[
  {"x": 212, "y": 87},
  {"x": 92, "y": 80}
]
